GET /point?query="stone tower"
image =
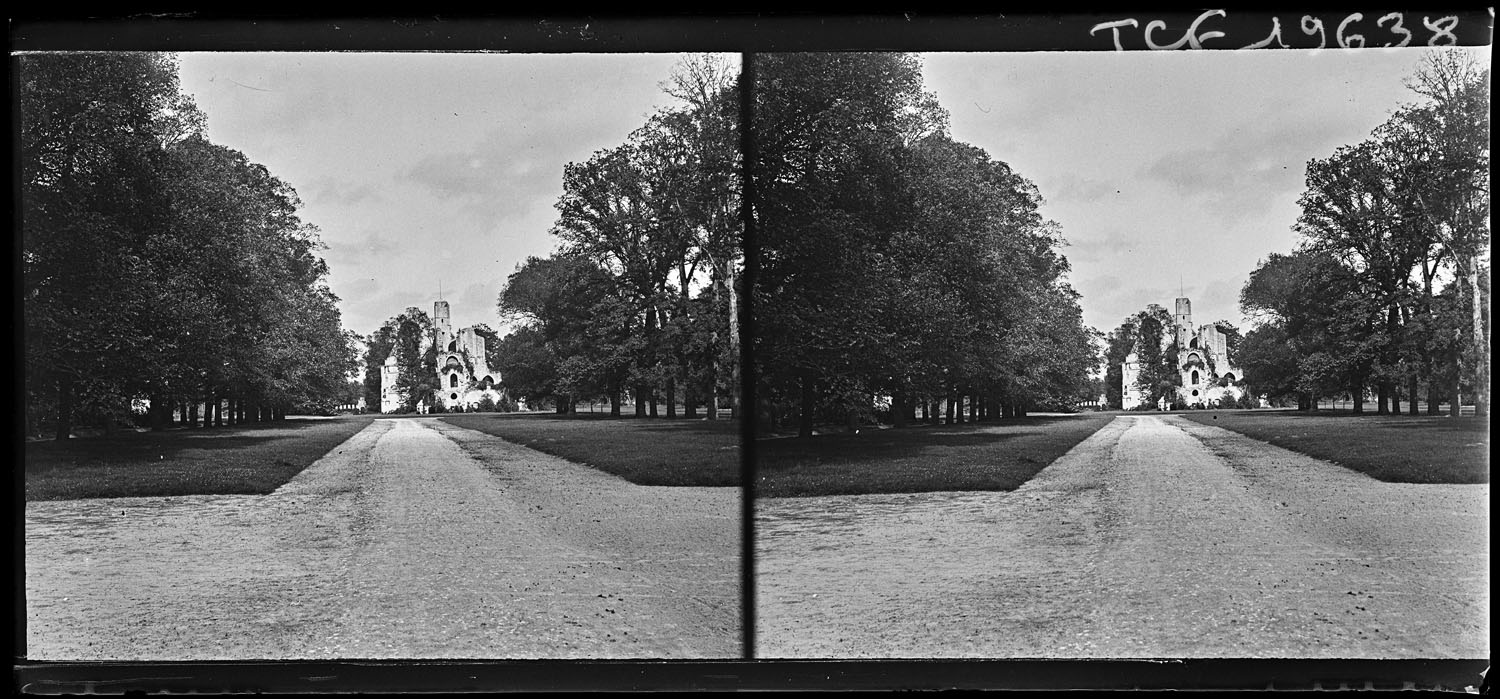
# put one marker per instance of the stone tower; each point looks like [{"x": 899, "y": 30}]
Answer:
[
  {"x": 442, "y": 330},
  {"x": 463, "y": 371},
  {"x": 1183, "y": 320},
  {"x": 1203, "y": 358}
]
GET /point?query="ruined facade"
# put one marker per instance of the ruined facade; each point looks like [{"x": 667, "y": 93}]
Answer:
[
  {"x": 464, "y": 374},
  {"x": 1203, "y": 361}
]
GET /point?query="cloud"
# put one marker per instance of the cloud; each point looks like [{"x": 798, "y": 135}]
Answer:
[
  {"x": 499, "y": 181},
  {"x": 1250, "y": 164},
  {"x": 476, "y": 303},
  {"x": 1111, "y": 247},
  {"x": 326, "y": 190},
  {"x": 1069, "y": 186},
  {"x": 1220, "y": 300},
  {"x": 365, "y": 247}
]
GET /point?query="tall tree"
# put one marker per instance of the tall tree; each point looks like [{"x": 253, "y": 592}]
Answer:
[{"x": 1442, "y": 146}]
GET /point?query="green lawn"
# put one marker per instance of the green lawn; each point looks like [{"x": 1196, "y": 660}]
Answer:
[
  {"x": 1395, "y": 448},
  {"x": 248, "y": 459},
  {"x": 990, "y": 456},
  {"x": 647, "y": 451}
]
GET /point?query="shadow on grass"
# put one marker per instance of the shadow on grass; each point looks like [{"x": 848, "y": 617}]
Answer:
[
  {"x": 131, "y": 446},
  {"x": 986, "y": 456},
  {"x": 645, "y": 451},
  {"x": 603, "y": 420},
  {"x": 778, "y": 452},
  {"x": 244, "y": 459},
  {"x": 1392, "y": 448}
]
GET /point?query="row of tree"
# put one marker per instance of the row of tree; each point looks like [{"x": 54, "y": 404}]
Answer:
[
  {"x": 155, "y": 265},
  {"x": 1389, "y": 287},
  {"x": 641, "y": 300},
  {"x": 896, "y": 266}
]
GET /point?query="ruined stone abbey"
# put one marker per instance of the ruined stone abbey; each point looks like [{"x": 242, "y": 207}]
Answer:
[
  {"x": 1203, "y": 360},
  {"x": 464, "y": 373}
]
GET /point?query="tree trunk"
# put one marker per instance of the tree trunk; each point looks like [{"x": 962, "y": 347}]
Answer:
[
  {"x": 1383, "y": 397},
  {"x": 155, "y": 413},
  {"x": 805, "y": 419},
  {"x": 689, "y": 401},
  {"x": 1357, "y": 396},
  {"x": 1434, "y": 395},
  {"x": 898, "y": 410},
  {"x": 951, "y": 408},
  {"x": 1455, "y": 391},
  {"x": 65, "y": 400},
  {"x": 192, "y": 419},
  {"x": 640, "y": 400},
  {"x": 734, "y": 344},
  {"x": 1481, "y": 348},
  {"x": 614, "y": 402}
]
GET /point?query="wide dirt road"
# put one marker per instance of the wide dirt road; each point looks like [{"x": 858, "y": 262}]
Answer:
[
  {"x": 413, "y": 539},
  {"x": 1155, "y": 537}
]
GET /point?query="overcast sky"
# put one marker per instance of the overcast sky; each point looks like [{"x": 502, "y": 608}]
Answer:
[
  {"x": 1169, "y": 168},
  {"x": 424, "y": 169},
  {"x": 1163, "y": 168}
]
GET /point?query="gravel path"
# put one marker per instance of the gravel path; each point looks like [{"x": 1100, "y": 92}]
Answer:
[
  {"x": 414, "y": 539},
  {"x": 1155, "y": 537}
]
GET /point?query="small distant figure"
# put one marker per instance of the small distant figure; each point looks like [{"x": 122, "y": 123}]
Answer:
[{"x": 1161, "y": 403}]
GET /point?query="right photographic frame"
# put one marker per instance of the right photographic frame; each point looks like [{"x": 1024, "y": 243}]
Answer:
[{"x": 1124, "y": 353}]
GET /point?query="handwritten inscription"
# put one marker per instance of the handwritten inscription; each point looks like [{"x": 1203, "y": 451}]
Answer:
[{"x": 1352, "y": 31}]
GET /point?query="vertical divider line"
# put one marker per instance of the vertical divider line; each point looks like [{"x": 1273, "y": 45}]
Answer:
[{"x": 748, "y": 403}]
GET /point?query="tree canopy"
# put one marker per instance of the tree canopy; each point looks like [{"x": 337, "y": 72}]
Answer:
[
  {"x": 1393, "y": 229},
  {"x": 640, "y": 300},
  {"x": 158, "y": 265},
  {"x": 896, "y": 263}
]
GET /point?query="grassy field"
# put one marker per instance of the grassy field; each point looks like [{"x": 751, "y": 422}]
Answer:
[
  {"x": 641, "y": 450},
  {"x": 1394, "y": 448},
  {"x": 248, "y": 459},
  {"x": 994, "y": 456}
]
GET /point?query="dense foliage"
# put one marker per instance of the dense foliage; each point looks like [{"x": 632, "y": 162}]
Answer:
[
  {"x": 157, "y": 265},
  {"x": 1389, "y": 286},
  {"x": 640, "y": 301},
  {"x": 897, "y": 266}
]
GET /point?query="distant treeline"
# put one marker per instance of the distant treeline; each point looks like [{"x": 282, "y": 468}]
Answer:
[
  {"x": 895, "y": 263},
  {"x": 1388, "y": 291},
  {"x": 157, "y": 265}
]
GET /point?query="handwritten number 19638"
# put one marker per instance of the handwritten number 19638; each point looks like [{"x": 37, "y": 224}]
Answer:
[{"x": 1441, "y": 28}]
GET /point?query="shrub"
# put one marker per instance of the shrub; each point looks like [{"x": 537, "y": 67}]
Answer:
[
  {"x": 486, "y": 405},
  {"x": 506, "y": 405}
]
